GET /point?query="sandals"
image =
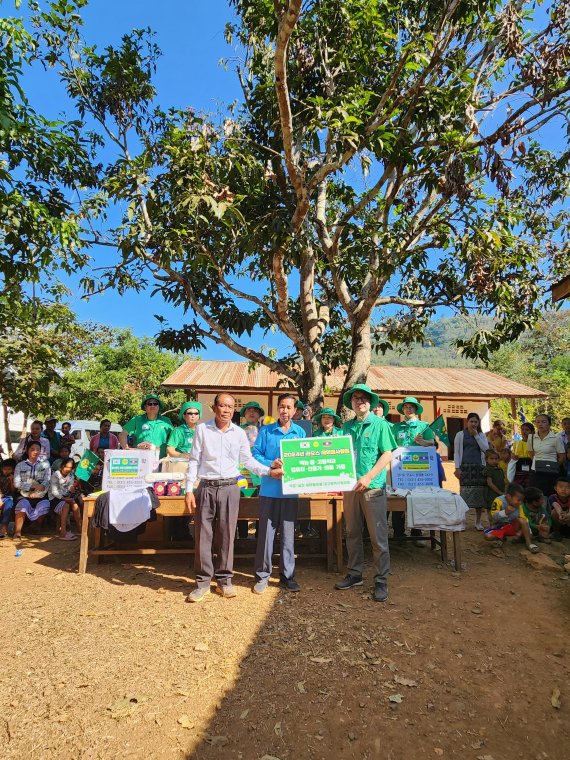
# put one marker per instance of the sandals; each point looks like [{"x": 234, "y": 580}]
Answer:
[
  {"x": 533, "y": 548},
  {"x": 69, "y": 536}
]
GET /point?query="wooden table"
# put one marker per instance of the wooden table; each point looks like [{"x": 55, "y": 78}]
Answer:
[
  {"x": 399, "y": 504},
  {"x": 315, "y": 507},
  {"x": 325, "y": 507}
]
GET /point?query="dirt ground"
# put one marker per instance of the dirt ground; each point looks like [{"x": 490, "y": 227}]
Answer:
[{"x": 115, "y": 664}]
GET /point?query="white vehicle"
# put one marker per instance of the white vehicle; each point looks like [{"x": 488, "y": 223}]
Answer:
[{"x": 83, "y": 431}]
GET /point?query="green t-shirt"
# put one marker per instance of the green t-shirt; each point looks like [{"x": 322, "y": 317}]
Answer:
[
  {"x": 144, "y": 430},
  {"x": 181, "y": 438},
  {"x": 406, "y": 431},
  {"x": 370, "y": 438}
]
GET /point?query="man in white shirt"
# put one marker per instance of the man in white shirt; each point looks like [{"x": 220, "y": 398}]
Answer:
[{"x": 218, "y": 450}]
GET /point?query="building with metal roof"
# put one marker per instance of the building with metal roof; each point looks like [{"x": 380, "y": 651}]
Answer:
[{"x": 450, "y": 392}]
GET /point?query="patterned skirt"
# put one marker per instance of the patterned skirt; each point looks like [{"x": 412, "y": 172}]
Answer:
[{"x": 473, "y": 486}]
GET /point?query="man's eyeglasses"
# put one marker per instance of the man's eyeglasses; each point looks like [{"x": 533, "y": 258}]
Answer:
[{"x": 152, "y": 403}]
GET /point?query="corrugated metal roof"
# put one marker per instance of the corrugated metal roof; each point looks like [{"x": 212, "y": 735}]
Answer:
[{"x": 404, "y": 381}]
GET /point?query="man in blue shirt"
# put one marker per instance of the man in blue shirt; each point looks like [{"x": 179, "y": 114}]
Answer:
[{"x": 275, "y": 509}]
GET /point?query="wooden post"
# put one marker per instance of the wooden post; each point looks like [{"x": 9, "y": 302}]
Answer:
[{"x": 514, "y": 413}]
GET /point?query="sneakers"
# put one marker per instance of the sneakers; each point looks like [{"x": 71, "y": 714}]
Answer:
[
  {"x": 261, "y": 586},
  {"x": 200, "y": 594},
  {"x": 348, "y": 582},
  {"x": 227, "y": 591},
  {"x": 290, "y": 584},
  {"x": 380, "y": 591}
]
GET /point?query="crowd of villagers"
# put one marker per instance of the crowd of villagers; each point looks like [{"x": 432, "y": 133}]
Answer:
[{"x": 519, "y": 478}]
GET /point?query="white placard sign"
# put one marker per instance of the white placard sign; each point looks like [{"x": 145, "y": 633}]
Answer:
[
  {"x": 126, "y": 469},
  {"x": 414, "y": 466}
]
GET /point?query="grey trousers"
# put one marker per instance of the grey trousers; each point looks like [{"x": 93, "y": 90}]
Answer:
[
  {"x": 276, "y": 513},
  {"x": 215, "y": 522},
  {"x": 369, "y": 505}
]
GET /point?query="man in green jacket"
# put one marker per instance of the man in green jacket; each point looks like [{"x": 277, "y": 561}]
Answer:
[
  {"x": 411, "y": 431},
  {"x": 149, "y": 430},
  {"x": 373, "y": 444}
]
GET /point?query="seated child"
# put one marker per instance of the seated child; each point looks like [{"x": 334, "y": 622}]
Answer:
[
  {"x": 494, "y": 476},
  {"x": 507, "y": 519},
  {"x": 537, "y": 513},
  {"x": 63, "y": 494},
  {"x": 7, "y": 494},
  {"x": 559, "y": 504}
]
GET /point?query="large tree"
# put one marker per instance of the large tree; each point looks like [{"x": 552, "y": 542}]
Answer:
[{"x": 388, "y": 158}]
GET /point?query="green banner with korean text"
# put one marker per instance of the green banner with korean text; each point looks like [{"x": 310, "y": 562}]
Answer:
[{"x": 318, "y": 465}]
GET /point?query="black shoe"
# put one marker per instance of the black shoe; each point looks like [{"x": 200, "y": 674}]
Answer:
[
  {"x": 290, "y": 584},
  {"x": 348, "y": 582},
  {"x": 380, "y": 591}
]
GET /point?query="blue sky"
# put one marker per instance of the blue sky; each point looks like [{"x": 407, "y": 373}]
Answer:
[{"x": 190, "y": 34}]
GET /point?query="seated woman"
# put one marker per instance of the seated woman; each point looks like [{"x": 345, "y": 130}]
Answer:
[
  {"x": 64, "y": 496},
  {"x": 7, "y": 494},
  {"x": 31, "y": 479}
]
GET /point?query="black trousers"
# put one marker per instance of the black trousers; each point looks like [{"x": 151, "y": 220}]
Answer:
[{"x": 215, "y": 522}]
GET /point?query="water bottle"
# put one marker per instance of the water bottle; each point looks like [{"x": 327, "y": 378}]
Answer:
[{"x": 19, "y": 552}]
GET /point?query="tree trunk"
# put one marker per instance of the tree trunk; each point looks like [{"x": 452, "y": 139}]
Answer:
[
  {"x": 359, "y": 364},
  {"x": 6, "y": 418}
]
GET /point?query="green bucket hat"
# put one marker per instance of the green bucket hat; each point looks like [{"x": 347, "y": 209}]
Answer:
[
  {"x": 252, "y": 405},
  {"x": 150, "y": 396},
  {"x": 410, "y": 400},
  {"x": 189, "y": 405},
  {"x": 347, "y": 398},
  {"x": 299, "y": 404},
  {"x": 328, "y": 410},
  {"x": 385, "y": 406}
]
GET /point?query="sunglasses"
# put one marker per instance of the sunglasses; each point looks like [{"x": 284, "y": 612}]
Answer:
[
  {"x": 186, "y": 413},
  {"x": 152, "y": 403}
]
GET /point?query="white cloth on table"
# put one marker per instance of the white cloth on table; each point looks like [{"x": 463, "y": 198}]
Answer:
[
  {"x": 436, "y": 509},
  {"x": 129, "y": 508}
]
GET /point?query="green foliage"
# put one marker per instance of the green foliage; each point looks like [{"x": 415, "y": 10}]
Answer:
[
  {"x": 41, "y": 339},
  {"x": 40, "y": 161},
  {"x": 111, "y": 379},
  {"x": 541, "y": 359},
  {"x": 361, "y": 184}
]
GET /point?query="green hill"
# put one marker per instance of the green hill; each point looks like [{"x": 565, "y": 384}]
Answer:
[{"x": 438, "y": 348}]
